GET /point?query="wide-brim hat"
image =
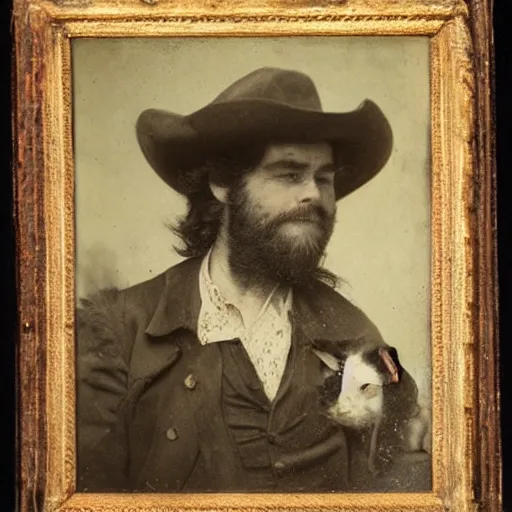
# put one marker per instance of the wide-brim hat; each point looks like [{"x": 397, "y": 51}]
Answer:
[{"x": 267, "y": 105}]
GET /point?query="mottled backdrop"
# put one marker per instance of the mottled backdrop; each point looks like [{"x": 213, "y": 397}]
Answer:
[{"x": 381, "y": 245}]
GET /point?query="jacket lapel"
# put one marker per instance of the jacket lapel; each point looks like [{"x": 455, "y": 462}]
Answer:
[
  {"x": 179, "y": 302},
  {"x": 171, "y": 337},
  {"x": 177, "y": 308}
]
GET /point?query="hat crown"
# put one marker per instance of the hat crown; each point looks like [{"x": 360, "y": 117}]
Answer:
[{"x": 283, "y": 86}]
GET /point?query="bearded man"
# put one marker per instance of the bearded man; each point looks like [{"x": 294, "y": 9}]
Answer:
[{"x": 204, "y": 378}]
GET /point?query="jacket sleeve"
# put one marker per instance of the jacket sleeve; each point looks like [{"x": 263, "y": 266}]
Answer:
[{"x": 103, "y": 346}]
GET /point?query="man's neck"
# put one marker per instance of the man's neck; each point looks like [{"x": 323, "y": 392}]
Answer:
[{"x": 248, "y": 293}]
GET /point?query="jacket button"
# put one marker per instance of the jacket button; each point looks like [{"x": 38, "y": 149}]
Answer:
[
  {"x": 190, "y": 381},
  {"x": 271, "y": 438},
  {"x": 171, "y": 434},
  {"x": 279, "y": 465}
]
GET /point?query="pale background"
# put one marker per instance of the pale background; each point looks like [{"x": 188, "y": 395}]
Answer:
[{"x": 381, "y": 244}]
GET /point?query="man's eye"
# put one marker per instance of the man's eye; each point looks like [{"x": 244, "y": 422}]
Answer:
[
  {"x": 294, "y": 177},
  {"x": 325, "y": 179}
]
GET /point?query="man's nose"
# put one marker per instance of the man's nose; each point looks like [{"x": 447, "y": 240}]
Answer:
[{"x": 309, "y": 191}]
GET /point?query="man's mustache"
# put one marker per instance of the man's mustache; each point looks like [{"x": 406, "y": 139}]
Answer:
[{"x": 306, "y": 213}]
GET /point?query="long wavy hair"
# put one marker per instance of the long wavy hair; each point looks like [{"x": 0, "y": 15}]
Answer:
[{"x": 199, "y": 227}]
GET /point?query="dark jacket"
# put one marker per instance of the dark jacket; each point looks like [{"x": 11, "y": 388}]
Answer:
[{"x": 139, "y": 426}]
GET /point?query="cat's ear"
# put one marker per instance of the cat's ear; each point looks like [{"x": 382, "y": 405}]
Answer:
[
  {"x": 385, "y": 360},
  {"x": 390, "y": 364},
  {"x": 332, "y": 362},
  {"x": 339, "y": 349}
]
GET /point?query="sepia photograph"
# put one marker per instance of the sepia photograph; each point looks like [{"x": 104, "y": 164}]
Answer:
[{"x": 253, "y": 264}]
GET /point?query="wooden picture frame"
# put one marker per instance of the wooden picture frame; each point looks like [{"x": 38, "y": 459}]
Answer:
[{"x": 466, "y": 448}]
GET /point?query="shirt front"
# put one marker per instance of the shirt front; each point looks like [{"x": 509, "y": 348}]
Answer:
[{"x": 267, "y": 341}]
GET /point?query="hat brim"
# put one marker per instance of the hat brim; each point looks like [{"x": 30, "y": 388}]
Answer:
[{"x": 174, "y": 145}]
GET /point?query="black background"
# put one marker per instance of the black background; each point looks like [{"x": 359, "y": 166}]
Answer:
[{"x": 503, "y": 94}]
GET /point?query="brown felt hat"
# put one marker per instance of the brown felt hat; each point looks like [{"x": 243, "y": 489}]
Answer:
[{"x": 273, "y": 105}]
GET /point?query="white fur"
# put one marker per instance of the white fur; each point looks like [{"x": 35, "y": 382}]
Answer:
[{"x": 360, "y": 401}]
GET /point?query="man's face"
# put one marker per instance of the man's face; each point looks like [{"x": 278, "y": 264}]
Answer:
[{"x": 281, "y": 216}]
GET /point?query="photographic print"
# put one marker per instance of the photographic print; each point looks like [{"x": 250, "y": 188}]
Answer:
[{"x": 253, "y": 264}]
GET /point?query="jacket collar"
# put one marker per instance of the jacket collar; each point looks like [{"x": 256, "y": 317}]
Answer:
[
  {"x": 321, "y": 312},
  {"x": 180, "y": 301}
]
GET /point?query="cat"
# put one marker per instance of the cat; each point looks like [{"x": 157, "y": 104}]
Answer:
[
  {"x": 353, "y": 380},
  {"x": 353, "y": 390}
]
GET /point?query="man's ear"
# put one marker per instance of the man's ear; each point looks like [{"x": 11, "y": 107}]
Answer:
[{"x": 220, "y": 193}]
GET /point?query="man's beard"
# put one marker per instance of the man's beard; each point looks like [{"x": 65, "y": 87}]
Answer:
[{"x": 259, "y": 248}]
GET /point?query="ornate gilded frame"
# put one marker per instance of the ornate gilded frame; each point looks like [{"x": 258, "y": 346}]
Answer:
[{"x": 466, "y": 448}]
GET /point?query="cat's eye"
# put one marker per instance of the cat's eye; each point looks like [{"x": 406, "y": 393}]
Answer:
[{"x": 369, "y": 390}]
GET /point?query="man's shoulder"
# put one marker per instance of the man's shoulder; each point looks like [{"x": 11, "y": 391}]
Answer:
[
  {"x": 111, "y": 320},
  {"x": 328, "y": 313},
  {"x": 326, "y": 299},
  {"x": 140, "y": 299},
  {"x": 330, "y": 294}
]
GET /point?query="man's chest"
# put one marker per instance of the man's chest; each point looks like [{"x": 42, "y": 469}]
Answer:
[{"x": 196, "y": 408}]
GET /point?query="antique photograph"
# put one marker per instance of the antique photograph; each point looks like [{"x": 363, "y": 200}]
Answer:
[{"x": 252, "y": 264}]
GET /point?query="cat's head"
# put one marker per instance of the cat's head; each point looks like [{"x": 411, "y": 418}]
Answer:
[{"x": 354, "y": 376}]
